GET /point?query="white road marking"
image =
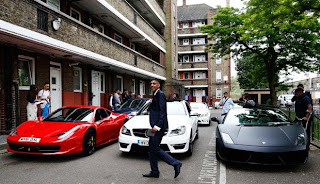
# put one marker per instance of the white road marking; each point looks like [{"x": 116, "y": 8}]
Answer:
[{"x": 223, "y": 174}]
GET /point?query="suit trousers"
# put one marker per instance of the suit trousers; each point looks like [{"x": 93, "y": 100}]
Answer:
[{"x": 156, "y": 152}]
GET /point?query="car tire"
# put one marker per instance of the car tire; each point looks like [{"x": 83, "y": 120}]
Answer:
[
  {"x": 197, "y": 135},
  {"x": 89, "y": 143},
  {"x": 217, "y": 152},
  {"x": 209, "y": 122},
  {"x": 190, "y": 150}
]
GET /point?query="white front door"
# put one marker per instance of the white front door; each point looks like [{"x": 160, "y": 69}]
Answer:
[
  {"x": 55, "y": 86},
  {"x": 198, "y": 94},
  {"x": 97, "y": 87},
  {"x": 142, "y": 88}
]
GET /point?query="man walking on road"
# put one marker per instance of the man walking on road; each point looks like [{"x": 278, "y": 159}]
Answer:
[
  {"x": 226, "y": 102},
  {"x": 159, "y": 123}
]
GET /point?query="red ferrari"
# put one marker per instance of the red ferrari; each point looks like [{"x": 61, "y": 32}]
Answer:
[{"x": 68, "y": 130}]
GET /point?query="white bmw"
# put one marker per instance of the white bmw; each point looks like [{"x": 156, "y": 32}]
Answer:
[
  {"x": 182, "y": 131},
  {"x": 203, "y": 111}
]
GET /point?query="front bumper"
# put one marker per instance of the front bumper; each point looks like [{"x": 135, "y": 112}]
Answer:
[
  {"x": 174, "y": 144},
  {"x": 204, "y": 119}
]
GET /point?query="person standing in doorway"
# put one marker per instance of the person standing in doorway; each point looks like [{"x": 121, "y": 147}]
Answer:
[
  {"x": 32, "y": 108},
  {"x": 159, "y": 123},
  {"x": 226, "y": 102},
  {"x": 116, "y": 99},
  {"x": 44, "y": 97}
]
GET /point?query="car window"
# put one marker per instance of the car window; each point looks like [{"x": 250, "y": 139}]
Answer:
[
  {"x": 100, "y": 114},
  {"x": 71, "y": 115},
  {"x": 256, "y": 117},
  {"x": 175, "y": 108}
]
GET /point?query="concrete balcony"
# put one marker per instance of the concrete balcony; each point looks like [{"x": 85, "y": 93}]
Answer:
[
  {"x": 74, "y": 40},
  {"x": 151, "y": 11},
  {"x": 124, "y": 17},
  {"x": 195, "y": 82},
  {"x": 185, "y": 48},
  {"x": 191, "y": 30},
  {"x": 192, "y": 65}
]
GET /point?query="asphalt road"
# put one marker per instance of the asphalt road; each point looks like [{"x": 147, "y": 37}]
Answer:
[{"x": 110, "y": 166}]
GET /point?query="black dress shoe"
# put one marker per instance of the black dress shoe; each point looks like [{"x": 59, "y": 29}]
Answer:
[
  {"x": 177, "y": 170},
  {"x": 151, "y": 175}
]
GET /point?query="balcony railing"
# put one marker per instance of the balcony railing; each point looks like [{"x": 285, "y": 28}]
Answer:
[
  {"x": 191, "y": 30},
  {"x": 183, "y": 48}
]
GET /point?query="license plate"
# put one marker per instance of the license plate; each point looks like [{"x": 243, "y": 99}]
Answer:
[
  {"x": 29, "y": 139},
  {"x": 143, "y": 143}
]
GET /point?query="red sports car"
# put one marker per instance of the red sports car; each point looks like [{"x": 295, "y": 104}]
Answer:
[{"x": 68, "y": 130}]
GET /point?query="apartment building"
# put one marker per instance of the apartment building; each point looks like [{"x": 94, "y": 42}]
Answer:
[
  {"x": 204, "y": 76},
  {"x": 85, "y": 49}
]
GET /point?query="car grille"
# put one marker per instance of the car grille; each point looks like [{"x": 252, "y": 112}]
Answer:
[
  {"x": 137, "y": 148},
  {"x": 34, "y": 149},
  {"x": 142, "y": 132}
]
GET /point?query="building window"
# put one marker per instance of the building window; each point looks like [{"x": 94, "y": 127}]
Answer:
[
  {"x": 77, "y": 79},
  {"x": 26, "y": 72},
  {"x": 185, "y": 41},
  {"x": 186, "y": 59},
  {"x": 186, "y": 75},
  {"x": 135, "y": 18},
  {"x": 196, "y": 24},
  {"x": 135, "y": 62},
  {"x": 118, "y": 38},
  {"x": 199, "y": 58},
  {"x": 42, "y": 20},
  {"x": 199, "y": 75},
  {"x": 119, "y": 82},
  {"x": 54, "y": 4},
  {"x": 75, "y": 14},
  {"x": 185, "y": 25},
  {"x": 199, "y": 41},
  {"x": 99, "y": 28},
  {"x": 218, "y": 76},
  {"x": 218, "y": 60},
  {"x": 218, "y": 93},
  {"x": 102, "y": 86},
  {"x": 133, "y": 86},
  {"x": 132, "y": 46},
  {"x": 142, "y": 88}
]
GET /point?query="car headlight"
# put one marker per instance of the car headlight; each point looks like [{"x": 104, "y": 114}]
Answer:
[
  {"x": 66, "y": 134},
  {"x": 301, "y": 140},
  {"x": 178, "y": 131},
  {"x": 125, "y": 131},
  {"x": 226, "y": 138},
  {"x": 13, "y": 132}
]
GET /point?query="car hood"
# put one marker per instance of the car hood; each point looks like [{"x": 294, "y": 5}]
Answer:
[
  {"x": 142, "y": 121},
  {"x": 45, "y": 129},
  {"x": 201, "y": 111},
  {"x": 262, "y": 135}
]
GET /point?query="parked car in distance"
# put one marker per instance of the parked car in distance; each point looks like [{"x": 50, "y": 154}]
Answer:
[
  {"x": 179, "y": 138},
  {"x": 203, "y": 111},
  {"x": 68, "y": 130},
  {"x": 285, "y": 100},
  {"x": 261, "y": 136},
  {"x": 132, "y": 107}
]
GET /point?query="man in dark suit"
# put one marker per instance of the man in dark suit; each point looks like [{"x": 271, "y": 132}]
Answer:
[{"x": 159, "y": 124}]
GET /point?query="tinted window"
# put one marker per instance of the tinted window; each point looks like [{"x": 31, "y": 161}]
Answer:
[
  {"x": 256, "y": 117},
  {"x": 100, "y": 114},
  {"x": 71, "y": 115}
]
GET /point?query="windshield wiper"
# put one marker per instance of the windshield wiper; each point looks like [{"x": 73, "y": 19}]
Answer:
[{"x": 278, "y": 123}]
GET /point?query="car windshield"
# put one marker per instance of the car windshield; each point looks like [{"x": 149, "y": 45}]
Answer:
[
  {"x": 136, "y": 103},
  {"x": 198, "y": 106},
  {"x": 256, "y": 117},
  {"x": 175, "y": 108},
  {"x": 71, "y": 115}
]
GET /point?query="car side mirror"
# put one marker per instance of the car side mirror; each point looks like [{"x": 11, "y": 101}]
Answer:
[
  {"x": 40, "y": 118},
  {"x": 192, "y": 113}
]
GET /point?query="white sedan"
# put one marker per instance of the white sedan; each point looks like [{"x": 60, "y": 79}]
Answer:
[
  {"x": 182, "y": 131},
  {"x": 203, "y": 111}
]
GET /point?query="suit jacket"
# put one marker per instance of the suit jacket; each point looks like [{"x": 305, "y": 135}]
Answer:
[{"x": 158, "y": 111}]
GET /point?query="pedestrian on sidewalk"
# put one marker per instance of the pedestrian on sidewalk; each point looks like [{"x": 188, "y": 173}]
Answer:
[
  {"x": 226, "y": 102},
  {"x": 159, "y": 123},
  {"x": 32, "y": 108},
  {"x": 44, "y": 97}
]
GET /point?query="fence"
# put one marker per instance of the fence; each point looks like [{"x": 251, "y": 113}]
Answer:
[{"x": 315, "y": 126}]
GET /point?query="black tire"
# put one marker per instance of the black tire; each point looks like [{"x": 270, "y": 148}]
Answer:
[
  {"x": 190, "y": 150},
  {"x": 209, "y": 122},
  {"x": 197, "y": 135},
  {"x": 89, "y": 143},
  {"x": 217, "y": 152}
]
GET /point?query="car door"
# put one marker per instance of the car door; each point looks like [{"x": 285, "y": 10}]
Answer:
[{"x": 104, "y": 126}]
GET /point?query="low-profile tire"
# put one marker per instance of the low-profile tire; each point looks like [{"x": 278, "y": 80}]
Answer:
[
  {"x": 217, "y": 152},
  {"x": 89, "y": 143},
  {"x": 209, "y": 122},
  {"x": 190, "y": 150},
  {"x": 197, "y": 135}
]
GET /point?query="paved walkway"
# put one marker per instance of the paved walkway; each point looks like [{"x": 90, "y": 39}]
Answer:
[{"x": 3, "y": 139}]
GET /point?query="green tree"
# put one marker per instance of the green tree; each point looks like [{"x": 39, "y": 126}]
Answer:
[{"x": 271, "y": 35}]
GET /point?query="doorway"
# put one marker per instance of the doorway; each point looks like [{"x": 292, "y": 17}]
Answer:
[{"x": 55, "y": 86}]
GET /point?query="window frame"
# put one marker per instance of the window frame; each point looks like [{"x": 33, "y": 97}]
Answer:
[
  {"x": 183, "y": 43},
  {"x": 218, "y": 60},
  {"x": 116, "y": 35},
  {"x": 133, "y": 86},
  {"x": 217, "y": 89},
  {"x": 185, "y": 61},
  {"x": 32, "y": 68},
  {"x": 185, "y": 25},
  {"x": 76, "y": 11},
  {"x": 184, "y": 75},
  {"x": 121, "y": 78},
  {"x": 102, "y": 81},
  {"x": 218, "y": 71},
  {"x": 49, "y": 2},
  {"x": 80, "y": 81}
]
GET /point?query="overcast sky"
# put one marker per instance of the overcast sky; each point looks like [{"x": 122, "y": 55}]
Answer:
[{"x": 239, "y": 4}]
